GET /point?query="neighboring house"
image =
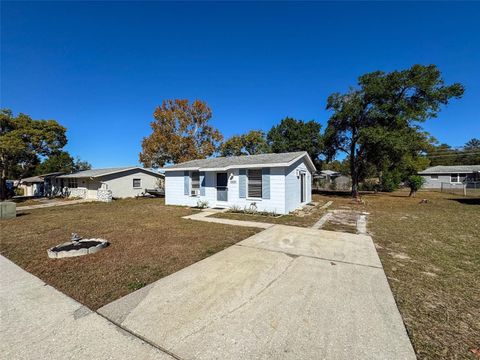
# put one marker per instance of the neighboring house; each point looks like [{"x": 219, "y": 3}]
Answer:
[
  {"x": 42, "y": 185},
  {"x": 277, "y": 183},
  {"x": 103, "y": 184},
  {"x": 328, "y": 175},
  {"x": 455, "y": 175}
]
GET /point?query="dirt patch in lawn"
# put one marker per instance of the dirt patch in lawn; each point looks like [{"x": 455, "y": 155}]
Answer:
[
  {"x": 431, "y": 255},
  {"x": 148, "y": 241}
]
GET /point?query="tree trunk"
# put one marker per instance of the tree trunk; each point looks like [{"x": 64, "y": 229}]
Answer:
[
  {"x": 354, "y": 170},
  {"x": 3, "y": 188}
]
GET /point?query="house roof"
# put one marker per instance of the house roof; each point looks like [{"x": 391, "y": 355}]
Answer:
[
  {"x": 244, "y": 161},
  {"x": 94, "y": 173},
  {"x": 32, "y": 179},
  {"x": 329, "y": 172},
  {"x": 40, "y": 178},
  {"x": 441, "y": 169}
]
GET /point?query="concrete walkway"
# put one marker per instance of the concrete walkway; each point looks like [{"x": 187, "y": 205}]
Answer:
[
  {"x": 53, "y": 204},
  {"x": 284, "y": 293},
  {"x": 204, "y": 216},
  {"x": 39, "y": 322}
]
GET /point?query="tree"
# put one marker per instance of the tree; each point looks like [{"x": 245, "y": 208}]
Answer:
[
  {"x": 473, "y": 144},
  {"x": 180, "y": 132},
  {"x": 415, "y": 183},
  {"x": 81, "y": 165},
  {"x": 444, "y": 154},
  {"x": 23, "y": 140},
  {"x": 296, "y": 135},
  {"x": 381, "y": 116},
  {"x": 252, "y": 143},
  {"x": 61, "y": 161}
]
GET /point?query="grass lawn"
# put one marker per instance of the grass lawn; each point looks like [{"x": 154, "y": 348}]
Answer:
[
  {"x": 148, "y": 241},
  {"x": 431, "y": 255}
]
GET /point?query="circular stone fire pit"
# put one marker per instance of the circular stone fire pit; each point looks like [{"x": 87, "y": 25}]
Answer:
[{"x": 77, "y": 247}]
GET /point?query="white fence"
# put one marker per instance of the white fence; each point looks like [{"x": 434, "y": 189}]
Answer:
[{"x": 465, "y": 189}]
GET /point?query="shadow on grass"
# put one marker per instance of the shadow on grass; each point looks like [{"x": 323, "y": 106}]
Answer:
[{"x": 468, "y": 201}]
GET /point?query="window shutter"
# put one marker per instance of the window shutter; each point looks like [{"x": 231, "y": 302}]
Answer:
[
  {"x": 266, "y": 183},
  {"x": 202, "y": 183},
  {"x": 242, "y": 184},
  {"x": 255, "y": 187},
  {"x": 186, "y": 179}
]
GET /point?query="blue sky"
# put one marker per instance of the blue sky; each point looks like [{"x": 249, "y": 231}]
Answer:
[{"x": 101, "y": 68}]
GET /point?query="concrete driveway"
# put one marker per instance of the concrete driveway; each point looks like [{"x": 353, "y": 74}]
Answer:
[
  {"x": 39, "y": 322},
  {"x": 285, "y": 293}
]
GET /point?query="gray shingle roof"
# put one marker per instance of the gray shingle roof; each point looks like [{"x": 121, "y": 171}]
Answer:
[
  {"x": 442, "y": 169},
  {"x": 41, "y": 178},
  {"x": 93, "y": 173},
  {"x": 239, "y": 161}
]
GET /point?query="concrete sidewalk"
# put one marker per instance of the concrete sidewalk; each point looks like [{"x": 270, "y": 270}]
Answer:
[
  {"x": 39, "y": 322},
  {"x": 53, "y": 204},
  {"x": 285, "y": 293},
  {"x": 204, "y": 216}
]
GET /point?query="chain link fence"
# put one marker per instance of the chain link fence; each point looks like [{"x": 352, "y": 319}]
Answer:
[{"x": 471, "y": 189}]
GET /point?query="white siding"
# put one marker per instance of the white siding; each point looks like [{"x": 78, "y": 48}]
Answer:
[
  {"x": 276, "y": 203},
  {"x": 121, "y": 184},
  {"x": 292, "y": 181},
  {"x": 174, "y": 191}
]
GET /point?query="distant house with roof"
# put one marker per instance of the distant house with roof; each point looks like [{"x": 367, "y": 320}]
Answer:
[
  {"x": 105, "y": 184},
  {"x": 42, "y": 185},
  {"x": 455, "y": 175},
  {"x": 277, "y": 183}
]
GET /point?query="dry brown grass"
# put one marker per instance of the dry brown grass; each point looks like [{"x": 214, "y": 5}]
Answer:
[
  {"x": 148, "y": 241},
  {"x": 431, "y": 255}
]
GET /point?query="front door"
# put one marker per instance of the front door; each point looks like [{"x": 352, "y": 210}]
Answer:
[
  {"x": 302, "y": 187},
  {"x": 222, "y": 187}
]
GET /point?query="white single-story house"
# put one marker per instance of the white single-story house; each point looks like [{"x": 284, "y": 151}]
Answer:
[
  {"x": 42, "y": 185},
  {"x": 277, "y": 183},
  {"x": 105, "y": 184},
  {"x": 452, "y": 175}
]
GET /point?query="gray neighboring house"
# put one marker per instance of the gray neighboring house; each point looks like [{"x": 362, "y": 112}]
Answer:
[
  {"x": 452, "y": 175},
  {"x": 42, "y": 185},
  {"x": 105, "y": 184},
  {"x": 277, "y": 183}
]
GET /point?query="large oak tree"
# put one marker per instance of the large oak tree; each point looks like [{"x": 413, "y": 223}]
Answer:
[
  {"x": 297, "y": 135},
  {"x": 377, "y": 122},
  {"x": 180, "y": 132},
  {"x": 22, "y": 141}
]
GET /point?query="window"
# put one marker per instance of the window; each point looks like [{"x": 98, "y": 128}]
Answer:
[
  {"x": 137, "y": 183},
  {"x": 434, "y": 177},
  {"x": 255, "y": 183},
  {"x": 453, "y": 178},
  {"x": 195, "y": 177},
  {"x": 72, "y": 183},
  {"x": 462, "y": 177}
]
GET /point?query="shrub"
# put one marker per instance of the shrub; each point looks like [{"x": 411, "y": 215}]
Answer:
[
  {"x": 202, "y": 204},
  {"x": 390, "y": 181},
  {"x": 415, "y": 183}
]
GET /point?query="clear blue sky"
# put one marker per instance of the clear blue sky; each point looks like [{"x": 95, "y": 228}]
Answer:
[{"x": 101, "y": 68}]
